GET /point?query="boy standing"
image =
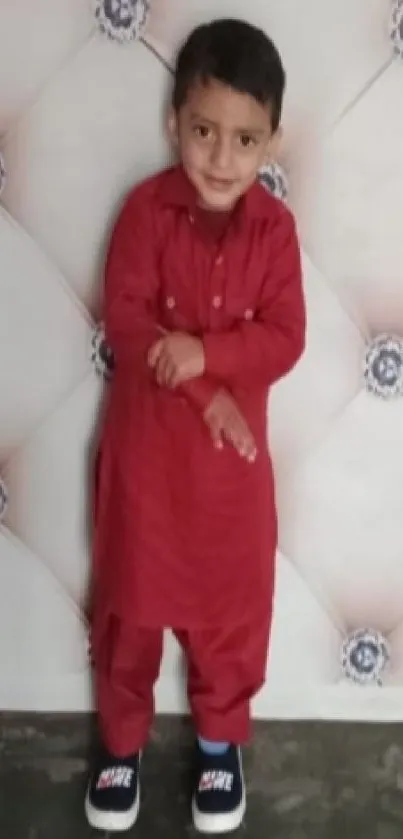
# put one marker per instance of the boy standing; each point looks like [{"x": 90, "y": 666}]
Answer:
[{"x": 204, "y": 311}]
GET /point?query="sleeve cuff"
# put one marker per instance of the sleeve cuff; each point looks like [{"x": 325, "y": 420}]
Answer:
[{"x": 201, "y": 391}]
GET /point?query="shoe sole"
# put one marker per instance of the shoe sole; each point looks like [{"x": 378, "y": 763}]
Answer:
[
  {"x": 219, "y": 822},
  {"x": 109, "y": 820}
]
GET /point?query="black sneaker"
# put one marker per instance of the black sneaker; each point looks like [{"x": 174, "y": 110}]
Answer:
[
  {"x": 113, "y": 796},
  {"x": 219, "y": 801}
]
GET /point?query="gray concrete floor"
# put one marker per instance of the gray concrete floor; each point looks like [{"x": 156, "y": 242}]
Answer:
[{"x": 305, "y": 780}]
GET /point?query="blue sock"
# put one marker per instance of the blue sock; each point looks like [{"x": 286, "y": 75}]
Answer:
[{"x": 210, "y": 747}]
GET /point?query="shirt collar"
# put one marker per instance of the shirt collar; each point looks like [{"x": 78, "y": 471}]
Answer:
[{"x": 176, "y": 190}]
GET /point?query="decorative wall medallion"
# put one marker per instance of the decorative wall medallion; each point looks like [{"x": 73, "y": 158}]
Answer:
[
  {"x": 275, "y": 180},
  {"x": 122, "y": 20},
  {"x": 2, "y": 173},
  {"x": 383, "y": 366},
  {"x": 3, "y": 500},
  {"x": 101, "y": 355},
  {"x": 364, "y": 656},
  {"x": 396, "y": 27}
]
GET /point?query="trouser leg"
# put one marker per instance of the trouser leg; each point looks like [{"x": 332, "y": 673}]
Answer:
[
  {"x": 226, "y": 668},
  {"x": 126, "y": 669}
]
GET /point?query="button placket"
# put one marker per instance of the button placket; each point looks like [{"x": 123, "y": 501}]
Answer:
[{"x": 217, "y": 284}]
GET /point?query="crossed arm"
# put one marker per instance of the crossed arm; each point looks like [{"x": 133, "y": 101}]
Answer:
[
  {"x": 255, "y": 353},
  {"x": 130, "y": 294}
]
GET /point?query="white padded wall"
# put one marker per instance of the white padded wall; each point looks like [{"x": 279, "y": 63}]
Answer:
[{"x": 82, "y": 93}]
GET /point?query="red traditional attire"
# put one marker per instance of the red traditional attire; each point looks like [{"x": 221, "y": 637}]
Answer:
[{"x": 185, "y": 535}]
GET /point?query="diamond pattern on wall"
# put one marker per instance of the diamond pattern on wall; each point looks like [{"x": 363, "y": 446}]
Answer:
[
  {"x": 36, "y": 40},
  {"x": 77, "y": 150},
  {"x": 42, "y": 636},
  {"x": 354, "y": 232},
  {"x": 44, "y": 335},
  {"x": 81, "y": 110},
  {"x": 339, "y": 515},
  {"x": 48, "y": 479}
]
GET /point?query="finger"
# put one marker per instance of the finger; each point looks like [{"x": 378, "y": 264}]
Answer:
[
  {"x": 216, "y": 434},
  {"x": 162, "y": 371},
  {"x": 247, "y": 443},
  {"x": 242, "y": 440},
  {"x": 236, "y": 441},
  {"x": 248, "y": 448},
  {"x": 251, "y": 454},
  {"x": 154, "y": 353},
  {"x": 170, "y": 373},
  {"x": 235, "y": 431}
]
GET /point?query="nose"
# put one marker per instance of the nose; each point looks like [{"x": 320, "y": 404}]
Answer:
[{"x": 221, "y": 154}]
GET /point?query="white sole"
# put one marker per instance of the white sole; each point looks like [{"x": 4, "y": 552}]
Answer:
[
  {"x": 108, "y": 820},
  {"x": 221, "y": 822}
]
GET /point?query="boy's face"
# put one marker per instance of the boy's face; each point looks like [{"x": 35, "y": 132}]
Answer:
[{"x": 223, "y": 137}]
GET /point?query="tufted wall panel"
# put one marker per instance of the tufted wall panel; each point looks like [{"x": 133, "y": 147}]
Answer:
[{"x": 82, "y": 96}]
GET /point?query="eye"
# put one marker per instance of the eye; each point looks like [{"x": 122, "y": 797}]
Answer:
[
  {"x": 202, "y": 131},
  {"x": 246, "y": 141}
]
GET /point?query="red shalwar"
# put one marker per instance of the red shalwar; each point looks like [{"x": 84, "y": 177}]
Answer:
[{"x": 185, "y": 536}]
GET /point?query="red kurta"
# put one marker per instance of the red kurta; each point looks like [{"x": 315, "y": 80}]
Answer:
[{"x": 185, "y": 535}]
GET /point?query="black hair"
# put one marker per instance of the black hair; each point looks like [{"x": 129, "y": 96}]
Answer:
[{"x": 237, "y": 54}]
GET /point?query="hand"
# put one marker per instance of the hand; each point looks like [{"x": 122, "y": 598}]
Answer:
[
  {"x": 176, "y": 358},
  {"x": 225, "y": 420}
]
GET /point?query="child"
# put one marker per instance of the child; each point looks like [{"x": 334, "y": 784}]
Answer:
[{"x": 204, "y": 311}]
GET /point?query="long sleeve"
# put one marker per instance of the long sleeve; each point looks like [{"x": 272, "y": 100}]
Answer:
[
  {"x": 201, "y": 391},
  {"x": 131, "y": 286},
  {"x": 131, "y": 294},
  {"x": 261, "y": 351}
]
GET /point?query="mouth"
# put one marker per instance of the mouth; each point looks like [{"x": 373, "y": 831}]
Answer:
[{"x": 219, "y": 184}]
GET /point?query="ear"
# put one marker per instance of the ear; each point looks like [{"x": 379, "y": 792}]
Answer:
[
  {"x": 172, "y": 127},
  {"x": 274, "y": 145}
]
